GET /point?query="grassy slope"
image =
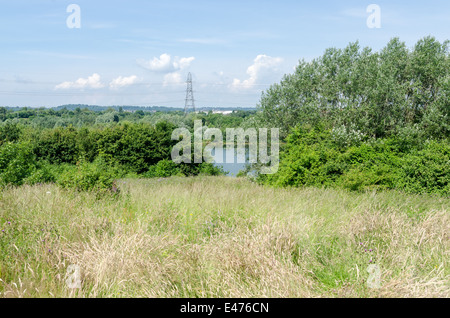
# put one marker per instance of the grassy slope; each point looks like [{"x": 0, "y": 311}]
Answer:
[{"x": 222, "y": 237}]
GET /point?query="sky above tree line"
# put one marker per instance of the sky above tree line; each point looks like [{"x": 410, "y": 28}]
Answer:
[{"x": 139, "y": 52}]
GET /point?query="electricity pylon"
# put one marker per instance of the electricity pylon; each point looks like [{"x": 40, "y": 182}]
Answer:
[{"x": 189, "y": 95}]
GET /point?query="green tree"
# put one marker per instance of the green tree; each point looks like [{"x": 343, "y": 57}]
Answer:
[
  {"x": 376, "y": 92},
  {"x": 59, "y": 145}
]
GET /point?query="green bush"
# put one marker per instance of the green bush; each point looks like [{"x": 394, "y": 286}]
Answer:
[
  {"x": 426, "y": 170},
  {"x": 17, "y": 162},
  {"x": 211, "y": 170},
  {"x": 43, "y": 173},
  {"x": 59, "y": 145},
  {"x": 163, "y": 169},
  {"x": 9, "y": 133},
  {"x": 310, "y": 159},
  {"x": 167, "y": 168},
  {"x": 86, "y": 176},
  {"x": 137, "y": 146}
]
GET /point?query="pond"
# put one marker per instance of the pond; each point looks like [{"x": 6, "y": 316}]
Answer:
[{"x": 231, "y": 162}]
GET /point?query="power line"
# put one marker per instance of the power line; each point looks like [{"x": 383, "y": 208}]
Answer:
[
  {"x": 31, "y": 93},
  {"x": 33, "y": 82}
]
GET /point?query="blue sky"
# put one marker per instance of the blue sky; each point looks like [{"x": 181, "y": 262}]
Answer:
[{"x": 138, "y": 52}]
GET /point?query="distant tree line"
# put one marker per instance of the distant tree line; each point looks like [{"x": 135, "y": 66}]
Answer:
[{"x": 100, "y": 116}]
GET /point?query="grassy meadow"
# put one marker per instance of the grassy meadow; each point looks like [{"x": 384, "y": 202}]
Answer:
[{"x": 222, "y": 237}]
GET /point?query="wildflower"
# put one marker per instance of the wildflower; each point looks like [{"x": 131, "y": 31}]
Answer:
[
  {"x": 370, "y": 250},
  {"x": 365, "y": 250},
  {"x": 370, "y": 261},
  {"x": 9, "y": 222}
]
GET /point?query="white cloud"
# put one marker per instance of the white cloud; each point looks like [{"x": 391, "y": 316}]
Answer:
[
  {"x": 157, "y": 65},
  {"x": 183, "y": 63},
  {"x": 166, "y": 64},
  {"x": 122, "y": 81},
  {"x": 172, "y": 78},
  {"x": 171, "y": 67},
  {"x": 92, "y": 81},
  {"x": 263, "y": 68}
]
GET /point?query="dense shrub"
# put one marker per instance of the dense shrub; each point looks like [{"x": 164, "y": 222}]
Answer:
[
  {"x": 167, "y": 168},
  {"x": 43, "y": 173},
  {"x": 163, "y": 169},
  {"x": 17, "y": 162},
  {"x": 85, "y": 176},
  {"x": 137, "y": 146},
  {"x": 9, "y": 133},
  {"x": 426, "y": 170},
  {"x": 210, "y": 170},
  {"x": 59, "y": 145},
  {"x": 90, "y": 158},
  {"x": 311, "y": 158}
]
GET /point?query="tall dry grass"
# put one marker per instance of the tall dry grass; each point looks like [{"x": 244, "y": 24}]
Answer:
[{"x": 222, "y": 237}]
